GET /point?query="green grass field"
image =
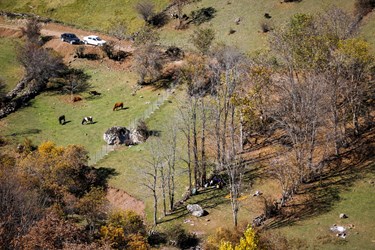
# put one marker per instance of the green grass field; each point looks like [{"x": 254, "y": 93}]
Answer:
[
  {"x": 88, "y": 14},
  {"x": 248, "y": 36},
  {"x": 358, "y": 202},
  {"x": 39, "y": 121},
  {"x": 10, "y": 70}
]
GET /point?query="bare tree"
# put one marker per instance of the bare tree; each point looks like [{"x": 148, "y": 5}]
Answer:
[
  {"x": 234, "y": 169},
  {"x": 185, "y": 127},
  {"x": 356, "y": 65},
  {"x": 299, "y": 109},
  {"x": 150, "y": 175},
  {"x": 195, "y": 75},
  {"x": 170, "y": 158},
  {"x": 32, "y": 31},
  {"x": 148, "y": 64},
  {"x": 227, "y": 76},
  {"x": 286, "y": 173},
  {"x": 202, "y": 39}
]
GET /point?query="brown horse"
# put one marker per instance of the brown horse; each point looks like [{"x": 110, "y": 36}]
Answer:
[{"x": 118, "y": 105}]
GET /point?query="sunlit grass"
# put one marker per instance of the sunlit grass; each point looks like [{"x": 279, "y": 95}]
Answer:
[
  {"x": 10, "y": 69},
  {"x": 39, "y": 121}
]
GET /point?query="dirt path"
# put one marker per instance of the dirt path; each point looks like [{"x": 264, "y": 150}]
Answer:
[{"x": 54, "y": 30}]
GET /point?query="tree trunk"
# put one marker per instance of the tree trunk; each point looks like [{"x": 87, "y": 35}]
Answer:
[
  {"x": 219, "y": 164},
  {"x": 154, "y": 193},
  {"x": 195, "y": 144},
  {"x": 161, "y": 170},
  {"x": 203, "y": 143}
]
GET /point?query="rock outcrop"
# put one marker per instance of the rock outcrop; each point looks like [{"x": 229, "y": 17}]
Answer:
[
  {"x": 120, "y": 135},
  {"x": 195, "y": 210}
]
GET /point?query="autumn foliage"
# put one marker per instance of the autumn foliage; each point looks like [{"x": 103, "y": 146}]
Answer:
[{"x": 51, "y": 199}]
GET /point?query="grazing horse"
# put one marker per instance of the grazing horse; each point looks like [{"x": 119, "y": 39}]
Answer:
[
  {"x": 118, "y": 105},
  {"x": 77, "y": 99},
  {"x": 87, "y": 119},
  {"x": 62, "y": 119}
]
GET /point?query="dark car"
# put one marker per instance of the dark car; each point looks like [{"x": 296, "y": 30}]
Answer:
[{"x": 70, "y": 38}]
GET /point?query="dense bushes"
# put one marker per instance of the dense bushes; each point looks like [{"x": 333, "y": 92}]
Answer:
[{"x": 42, "y": 189}]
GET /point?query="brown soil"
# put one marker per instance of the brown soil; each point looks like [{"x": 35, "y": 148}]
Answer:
[
  {"x": 119, "y": 199},
  {"x": 13, "y": 28}
]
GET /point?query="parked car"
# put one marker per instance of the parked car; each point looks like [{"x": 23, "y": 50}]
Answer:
[
  {"x": 70, "y": 38},
  {"x": 94, "y": 40}
]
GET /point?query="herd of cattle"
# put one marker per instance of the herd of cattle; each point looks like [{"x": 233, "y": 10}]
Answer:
[{"x": 89, "y": 119}]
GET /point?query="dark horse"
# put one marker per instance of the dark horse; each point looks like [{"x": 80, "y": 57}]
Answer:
[
  {"x": 62, "y": 119},
  {"x": 118, "y": 105},
  {"x": 87, "y": 119}
]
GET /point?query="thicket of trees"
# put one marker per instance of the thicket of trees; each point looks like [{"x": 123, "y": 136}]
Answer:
[
  {"x": 312, "y": 89},
  {"x": 51, "y": 199}
]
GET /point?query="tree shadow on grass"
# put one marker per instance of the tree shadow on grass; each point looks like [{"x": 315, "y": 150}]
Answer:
[
  {"x": 207, "y": 198},
  {"x": 103, "y": 174},
  {"x": 31, "y": 131},
  {"x": 321, "y": 194},
  {"x": 202, "y": 15}
]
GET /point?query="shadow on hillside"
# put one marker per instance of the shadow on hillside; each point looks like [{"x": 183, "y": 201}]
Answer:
[
  {"x": 207, "y": 198},
  {"x": 103, "y": 174},
  {"x": 202, "y": 15},
  {"x": 31, "y": 131},
  {"x": 323, "y": 192}
]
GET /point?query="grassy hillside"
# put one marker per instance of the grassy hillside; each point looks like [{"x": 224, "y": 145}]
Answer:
[
  {"x": 39, "y": 121},
  {"x": 10, "y": 69},
  {"x": 358, "y": 202},
  {"x": 90, "y": 14},
  {"x": 248, "y": 36}
]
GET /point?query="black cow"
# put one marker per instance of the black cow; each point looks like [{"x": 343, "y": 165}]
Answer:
[{"x": 62, "y": 119}]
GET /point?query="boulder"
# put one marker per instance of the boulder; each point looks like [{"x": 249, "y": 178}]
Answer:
[
  {"x": 117, "y": 135},
  {"x": 121, "y": 135},
  {"x": 136, "y": 137},
  {"x": 338, "y": 229},
  {"x": 195, "y": 210}
]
